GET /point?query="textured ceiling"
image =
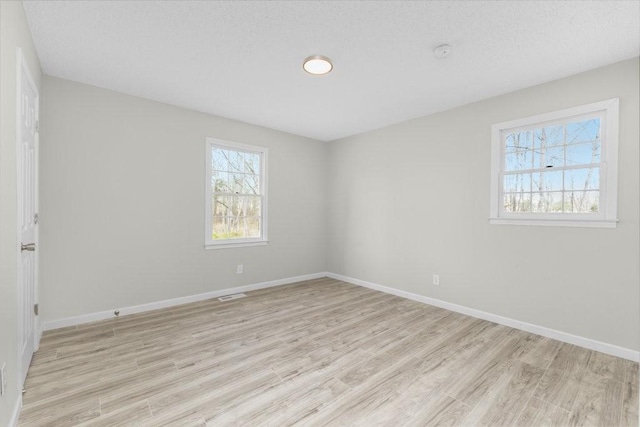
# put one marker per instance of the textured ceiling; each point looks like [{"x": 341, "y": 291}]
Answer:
[{"x": 242, "y": 59}]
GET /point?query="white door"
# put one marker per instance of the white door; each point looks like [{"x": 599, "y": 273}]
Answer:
[{"x": 27, "y": 135}]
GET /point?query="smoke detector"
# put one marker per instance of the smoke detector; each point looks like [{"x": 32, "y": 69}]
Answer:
[{"x": 442, "y": 51}]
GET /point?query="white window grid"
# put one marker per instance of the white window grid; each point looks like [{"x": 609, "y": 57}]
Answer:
[
  {"x": 261, "y": 196},
  {"x": 601, "y": 166},
  {"x": 607, "y": 166}
]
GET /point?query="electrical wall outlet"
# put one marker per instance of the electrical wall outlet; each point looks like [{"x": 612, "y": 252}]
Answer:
[
  {"x": 239, "y": 269},
  {"x": 3, "y": 379},
  {"x": 436, "y": 280}
]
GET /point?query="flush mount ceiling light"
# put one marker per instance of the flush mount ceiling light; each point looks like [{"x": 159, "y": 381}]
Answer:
[{"x": 317, "y": 65}]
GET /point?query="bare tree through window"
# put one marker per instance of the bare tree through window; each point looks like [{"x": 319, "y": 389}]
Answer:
[
  {"x": 237, "y": 198},
  {"x": 553, "y": 168}
]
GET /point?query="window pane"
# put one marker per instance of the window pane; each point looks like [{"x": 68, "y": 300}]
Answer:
[
  {"x": 236, "y": 217},
  {"x": 582, "y": 201},
  {"x": 236, "y": 161},
  {"x": 549, "y": 136},
  {"x": 220, "y": 159},
  {"x": 223, "y": 228},
  {"x": 238, "y": 206},
  {"x": 587, "y": 130},
  {"x": 236, "y": 227},
  {"x": 548, "y": 157},
  {"x": 518, "y": 151},
  {"x": 235, "y": 172},
  {"x": 221, "y": 205},
  {"x": 517, "y": 182},
  {"x": 518, "y": 159},
  {"x": 229, "y": 227},
  {"x": 517, "y": 202},
  {"x": 251, "y": 226},
  {"x": 252, "y": 163},
  {"x": 519, "y": 140},
  {"x": 220, "y": 182},
  {"x": 235, "y": 206},
  {"x": 251, "y": 184},
  {"x": 583, "y": 154},
  {"x": 547, "y": 180},
  {"x": 236, "y": 182},
  {"x": 582, "y": 179},
  {"x": 250, "y": 205},
  {"x": 547, "y": 202}
]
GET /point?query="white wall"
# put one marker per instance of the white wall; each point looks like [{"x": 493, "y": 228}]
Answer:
[
  {"x": 122, "y": 204},
  {"x": 14, "y": 33},
  {"x": 412, "y": 200}
]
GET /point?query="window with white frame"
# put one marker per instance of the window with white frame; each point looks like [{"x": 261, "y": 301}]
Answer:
[
  {"x": 558, "y": 168},
  {"x": 236, "y": 196}
]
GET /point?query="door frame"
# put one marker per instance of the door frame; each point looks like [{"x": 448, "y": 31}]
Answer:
[{"x": 22, "y": 65}]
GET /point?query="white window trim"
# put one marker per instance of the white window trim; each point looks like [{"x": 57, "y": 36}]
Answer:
[
  {"x": 608, "y": 217},
  {"x": 210, "y": 243}
]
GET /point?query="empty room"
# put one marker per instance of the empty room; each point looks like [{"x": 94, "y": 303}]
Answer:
[{"x": 319, "y": 213}]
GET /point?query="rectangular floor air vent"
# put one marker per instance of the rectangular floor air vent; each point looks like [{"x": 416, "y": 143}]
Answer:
[{"x": 230, "y": 297}]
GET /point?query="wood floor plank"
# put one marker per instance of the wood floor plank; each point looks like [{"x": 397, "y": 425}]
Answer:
[
  {"x": 598, "y": 402},
  {"x": 540, "y": 413},
  {"x": 223, "y": 393},
  {"x": 472, "y": 387},
  {"x": 440, "y": 410},
  {"x": 75, "y": 377},
  {"x": 197, "y": 376},
  {"x": 116, "y": 384},
  {"x": 125, "y": 415},
  {"x": 319, "y": 352},
  {"x": 629, "y": 416},
  {"x": 286, "y": 404},
  {"x": 540, "y": 352},
  {"x": 449, "y": 358},
  {"x": 608, "y": 366},
  {"x": 363, "y": 400},
  {"x": 503, "y": 403},
  {"x": 67, "y": 412},
  {"x": 561, "y": 382}
]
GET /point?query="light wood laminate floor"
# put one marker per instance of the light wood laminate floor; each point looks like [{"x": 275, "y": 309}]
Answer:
[{"x": 316, "y": 353}]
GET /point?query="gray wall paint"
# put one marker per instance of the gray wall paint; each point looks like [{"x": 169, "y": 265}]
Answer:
[
  {"x": 123, "y": 177},
  {"x": 412, "y": 200},
  {"x": 122, "y": 203},
  {"x": 14, "y": 32}
]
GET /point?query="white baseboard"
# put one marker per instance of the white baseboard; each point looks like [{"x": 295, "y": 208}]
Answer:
[
  {"x": 13, "y": 422},
  {"x": 528, "y": 327},
  {"x": 102, "y": 315},
  {"x": 600, "y": 346}
]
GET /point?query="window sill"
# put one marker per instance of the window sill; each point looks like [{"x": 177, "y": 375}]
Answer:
[
  {"x": 556, "y": 222},
  {"x": 230, "y": 245}
]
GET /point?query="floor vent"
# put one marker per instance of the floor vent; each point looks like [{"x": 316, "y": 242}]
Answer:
[{"x": 230, "y": 297}]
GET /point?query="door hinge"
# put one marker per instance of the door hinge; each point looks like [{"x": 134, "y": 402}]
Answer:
[
  {"x": 36, "y": 218},
  {"x": 37, "y": 125},
  {"x": 36, "y": 309}
]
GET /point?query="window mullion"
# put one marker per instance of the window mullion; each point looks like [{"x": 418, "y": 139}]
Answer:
[
  {"x": 564, "y": 170},
  {"x": 582, "y": 166}
]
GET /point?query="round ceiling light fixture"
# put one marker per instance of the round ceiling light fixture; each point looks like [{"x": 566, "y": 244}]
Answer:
[
  {"x": 442, "y": 51},
  {"x": 317, "y": 65}
]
